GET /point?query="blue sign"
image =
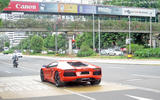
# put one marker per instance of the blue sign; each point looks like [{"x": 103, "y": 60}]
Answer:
[
  {"x": 86, "y": 9},
  {"x": 48, "y": 7}
]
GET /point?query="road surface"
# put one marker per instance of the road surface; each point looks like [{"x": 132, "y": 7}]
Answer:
[{"x": 119, "y": 82}]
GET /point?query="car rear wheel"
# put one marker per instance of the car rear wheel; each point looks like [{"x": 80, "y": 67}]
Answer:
[
  {"x": 42, "y": 76},
  {"x": 95, "y": 82},
  {"x": 58, "y": 82}
]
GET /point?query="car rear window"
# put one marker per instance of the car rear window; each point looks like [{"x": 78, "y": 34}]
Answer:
[{"x": 77, "y": 64}]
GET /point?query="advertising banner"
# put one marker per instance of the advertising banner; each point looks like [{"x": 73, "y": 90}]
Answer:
[
  {"x": 86, "y": 9},
  {"x": 109, "y": 10},
  {"x": 22, "y": 6},
  {"x": 48, "y": 7},
  {"x": 68, "y": 8},
  {"x": 138, "y": 12}
]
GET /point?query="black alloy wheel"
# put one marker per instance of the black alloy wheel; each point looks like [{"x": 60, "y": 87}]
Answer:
[
  {"x": 42, "y": 76},
  {"x": 58, "y": 82}
]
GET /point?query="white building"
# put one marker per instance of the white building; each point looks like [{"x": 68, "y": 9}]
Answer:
[{"x": 15, "y": 37}]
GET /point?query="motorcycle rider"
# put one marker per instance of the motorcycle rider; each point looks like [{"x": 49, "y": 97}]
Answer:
[{"x": 15, "y": 59}]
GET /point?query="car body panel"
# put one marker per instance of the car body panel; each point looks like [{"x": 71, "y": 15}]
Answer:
[{"x": 79, "y": 73}]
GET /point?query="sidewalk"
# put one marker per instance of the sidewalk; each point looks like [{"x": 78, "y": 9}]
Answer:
[{"x": 116, "y": 61}]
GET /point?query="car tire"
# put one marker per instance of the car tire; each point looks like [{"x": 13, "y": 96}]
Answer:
[
  {"x": 95, "y": 82},
  {"x": 57, "y": 80},
  {"x": 42, "y": 76}
]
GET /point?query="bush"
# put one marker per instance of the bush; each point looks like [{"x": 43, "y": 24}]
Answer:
[
  {"x": 51, "y": 52},
  {"x": 153, "y": 52},
  {"x": 135, "y": 47},
  {"x": 85, "y": 50},
  {"x": 7, "y": 52}
]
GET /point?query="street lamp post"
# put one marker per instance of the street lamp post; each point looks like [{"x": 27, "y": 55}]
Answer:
[
  {"x": 129, "y": 34},
  {"x": 93, "y": 25},
  {"x": 150, "y": 31},
  {"x": 93, "y": 32},
  {"x": 99, "y": 35}
]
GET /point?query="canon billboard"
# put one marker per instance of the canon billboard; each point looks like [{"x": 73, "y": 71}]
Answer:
[
  {"x": 23, "y": 6},
  {"x": 49, "y": 7}
]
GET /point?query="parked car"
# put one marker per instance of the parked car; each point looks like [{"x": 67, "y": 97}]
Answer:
[
  {"x": 62, "y": 71},
  {"x": 111, "y": 52},
  {"x": 118, "y": 53}
]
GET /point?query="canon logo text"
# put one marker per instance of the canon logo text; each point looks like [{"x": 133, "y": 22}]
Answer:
[{"x": 25, "y": 6}]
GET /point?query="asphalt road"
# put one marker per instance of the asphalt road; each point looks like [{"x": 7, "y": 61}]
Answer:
[{"x": 119, "y": 82}]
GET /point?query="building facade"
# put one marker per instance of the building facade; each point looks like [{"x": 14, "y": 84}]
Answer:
[{"x": 15, "y": 37}]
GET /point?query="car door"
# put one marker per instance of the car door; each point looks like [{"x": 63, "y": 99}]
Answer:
[{"x": 50, "y": 70}]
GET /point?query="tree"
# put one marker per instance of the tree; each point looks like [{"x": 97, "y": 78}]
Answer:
[
  {"x": 62, "y": 41},
  {"x": 85, "y": 37},
  {"x": 3, "y": 4},
  {"x": 7, "y": 44},
  {"x": 107, "y": 39},
  {"x": 3, "y": 39},
  {"x": 37, "y": 44},
  {"x": 25, "y": 43},
  {"x": 49, "y": 42},
  {"x": 134, "y": 3}
]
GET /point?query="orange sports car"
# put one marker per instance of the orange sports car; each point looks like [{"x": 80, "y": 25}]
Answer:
[{"x": 63, "y": 71}]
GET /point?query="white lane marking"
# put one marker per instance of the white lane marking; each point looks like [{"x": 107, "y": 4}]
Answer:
[
  {"x": 147, "y": 76},
  {"x": 131, "y": 80},
  {"x": 137, "y": 98},
  {"x": 116, "y": 67},
  {"x": 8, "y": 72},
  {"x": 148, "y": 89},
  {"x": 90, "y": 98},
  {"x": 143, "y": 88}
]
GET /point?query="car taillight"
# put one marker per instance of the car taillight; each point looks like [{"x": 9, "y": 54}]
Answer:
[{"x": 70, "y": 70}]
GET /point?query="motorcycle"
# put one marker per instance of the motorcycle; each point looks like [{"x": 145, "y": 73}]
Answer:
[{"x": 15, "y": 64}]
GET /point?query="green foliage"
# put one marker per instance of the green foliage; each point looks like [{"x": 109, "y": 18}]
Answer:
[
  {"x": 134, "y": 3},
  {"x": 85, "y": 37},
  {"x": 149, "y": 52},
  {"x": 37, "y": 44},
  {"x": 135, "y": 47},
  {"x": 62, "y": 41},
  {"x": 25, "y": 43},
  {"x": 0, "y": 22},
  {"x": 8, "y": 52},
  {"x": 3, "y": 4},
  {"x": 51, "y": 52},
  {"x": 107, "y": 39},
  {"x": 7, "y": 44},
  {"x": 85, "y": 50},
  {"x": 49, "y": 42}
]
